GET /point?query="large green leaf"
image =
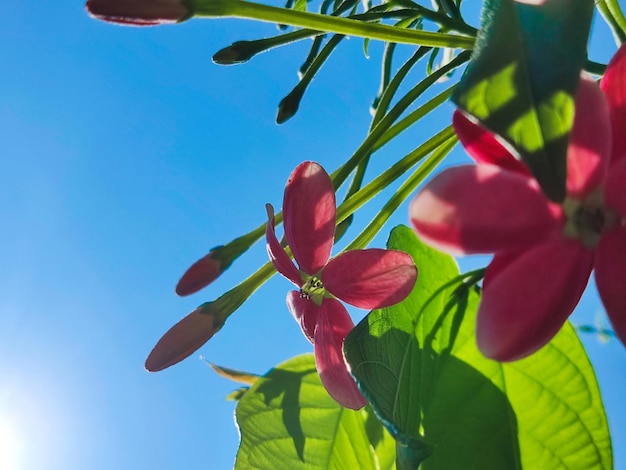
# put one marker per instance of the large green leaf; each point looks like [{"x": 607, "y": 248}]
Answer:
[
  {"x": 418, "y": 364},
  {"x": 523, "y": 77},
  {"x": 288, "y": 421}
]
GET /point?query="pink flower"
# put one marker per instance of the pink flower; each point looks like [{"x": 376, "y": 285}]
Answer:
[
  {"x": 370, "y": 279},
  {"x": 544, "y": 252},
  {"x": 138, "y": 12}
]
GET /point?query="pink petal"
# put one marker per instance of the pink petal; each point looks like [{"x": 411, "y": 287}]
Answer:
[
  {"x": 184, "y": 338},
  {"x": 483, "y": 146},
  {"x": 372, "y": 278},
  {"x": 278, "y": 256},
  {"x": 202, "y": 273},
  {"x": 525, "y": 304},
  {"x": 334, "y": 324},
  {"x": 499, "y": 262},
  {"x": 483, "y": 209},
  {"x": 305, "y": 312},
  {"x": 589, "y": 149},
  {"x": 309, "y": 216},
  {"x": 613, "y": 85},
  {"x": 610, "y": 269},
  {"x": 614, "y": 189}
]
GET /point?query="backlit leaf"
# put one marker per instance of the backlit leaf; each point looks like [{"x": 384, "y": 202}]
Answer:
[
  {"x": 288, "y": 421},
  {"x": 418, "y": 364},
  {"x": 523, "y": 77}
]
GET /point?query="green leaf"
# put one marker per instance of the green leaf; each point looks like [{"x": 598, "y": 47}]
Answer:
[
  {"x": 288, "y": 421},
  {"x": 523, "y": 77},
  {"x": 418, "y": 364}
]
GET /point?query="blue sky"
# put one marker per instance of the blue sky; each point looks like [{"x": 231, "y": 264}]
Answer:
[{"x": 125, "y": 155}]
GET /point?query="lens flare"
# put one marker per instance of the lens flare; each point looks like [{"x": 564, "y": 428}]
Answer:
[{"x": 10, "y": 446}]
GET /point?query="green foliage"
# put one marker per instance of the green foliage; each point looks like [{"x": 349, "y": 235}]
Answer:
[
  {"x": 523, "y": 77},
  {"x": 288, "y": 421},
  {"x": 444, "y": 403},
  {"x": 418, "y": 364}
]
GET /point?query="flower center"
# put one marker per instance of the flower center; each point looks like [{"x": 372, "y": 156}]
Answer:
[
  {"x": 589, "y": 218},
  {"x": 313, "y": 289}
]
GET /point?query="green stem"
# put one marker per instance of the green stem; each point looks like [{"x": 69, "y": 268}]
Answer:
[
  {"x": 413, "y": 117},
  {"x": 313, "y": 52},
  {"x": 378, "y": 131},
  {"x": 612, "y": 14},
  {"x": 290, "y": 103},
  {"x": 411, "y": 451},
  {"x": 231, "y": 300},
  {"x": 391, "y": 89},
  {"x": 472, "y": 278},
  {"x": 391, "y": 174},
  {"x": 242, "y": 51},
  {"x": 407, "y": 188},
  {"x": 439, "y": 18},
  {"x": 385, "y": 72},
  {"x": 387, "y": 93},
  {"x": 338, "y": 25},
  {"x": 595, "y": 67}
]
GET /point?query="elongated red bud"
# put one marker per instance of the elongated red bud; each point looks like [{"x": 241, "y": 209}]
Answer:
[
  {"x": 202, "y": 273},
  {"x": 207, "y": 269},
  {"x": 185, "y": 337},
  {"x": 138, "y": 12}
]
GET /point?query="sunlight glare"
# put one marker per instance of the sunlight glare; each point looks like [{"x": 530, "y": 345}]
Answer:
[{"x": 10, "y": 447}]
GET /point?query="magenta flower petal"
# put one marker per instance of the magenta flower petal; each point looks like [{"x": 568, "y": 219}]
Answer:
[
  {"x": 526, "y": 303},
  {"x": 589, "y": 149},
  {"x": 371, "y": 278},
  {"x": 334, "y": 324},
  {"x": 309, "y": 216},
  {"x": 613, "y": 85},
  {"x": 483, "y": 209},
  {"x": 498, "y": 264},
  {"x": 610, "y": 271},
  {"x": 278, "y": 256},
  {"x": 184, "y": 338},
  {"x": 483, "y": 146},
  {"x": 305, "y": 312},
  {"x": 614, "y": 189}
]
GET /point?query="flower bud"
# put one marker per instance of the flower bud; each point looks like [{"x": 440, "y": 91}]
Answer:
[
  {"x": 185, "y": 337},
  {"x": 237, "y": 53},
  {"x": 202, "y": 273},
  {"x": 139, "y": 12},
  {"x": 289, "y": 104},
  {"x": 206, "y": 270}
]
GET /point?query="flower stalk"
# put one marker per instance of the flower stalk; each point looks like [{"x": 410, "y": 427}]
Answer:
[
  {"x": 406, "y": 189},
  {"x": 331, "y": 24}
]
